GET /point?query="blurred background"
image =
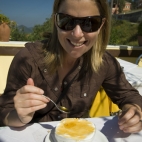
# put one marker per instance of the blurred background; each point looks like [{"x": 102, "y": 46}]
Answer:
[{"x": 31, "y": 20}]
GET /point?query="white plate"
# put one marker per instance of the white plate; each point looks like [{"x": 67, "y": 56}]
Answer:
[{"x": 99, "y": 137}]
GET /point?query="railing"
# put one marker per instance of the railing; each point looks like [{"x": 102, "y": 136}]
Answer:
[
  {"x": 129, "y": 53},
  {"x": 11, "y": 48}
]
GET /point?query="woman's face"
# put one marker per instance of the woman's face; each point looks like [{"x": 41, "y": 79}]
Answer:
[{"x": 76, "y": 42}]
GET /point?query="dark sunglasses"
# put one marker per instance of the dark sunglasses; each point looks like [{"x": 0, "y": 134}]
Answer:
[{"x": 88, "y": 24}]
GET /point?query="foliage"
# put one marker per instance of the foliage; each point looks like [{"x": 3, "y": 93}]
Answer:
[
  {"x": 140, "y": 29},
  {"x": 4, "y": 19},
  {"x": 121, "y": 5},
  {"x": 39, "y": 31},
  {"x": 18, "y": 34},
  {"x": 123, "y": 33}
]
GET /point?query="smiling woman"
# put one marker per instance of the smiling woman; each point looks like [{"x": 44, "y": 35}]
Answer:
[{"x": 75, "y": 53}]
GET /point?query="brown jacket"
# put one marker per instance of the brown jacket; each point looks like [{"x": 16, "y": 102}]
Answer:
[{"x": 29, "y": 62}]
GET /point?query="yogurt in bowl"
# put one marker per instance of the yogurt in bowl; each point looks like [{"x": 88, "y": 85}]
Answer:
[{"x": 75, "y": 130}]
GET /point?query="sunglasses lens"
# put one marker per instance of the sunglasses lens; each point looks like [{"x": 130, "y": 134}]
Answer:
[
  {"x": 87, "y": 24},
  {"x": 65, "y": 22},
  {"x": 91, "y": 24}
]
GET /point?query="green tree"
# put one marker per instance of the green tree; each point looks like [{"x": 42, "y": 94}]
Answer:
[
  {"x": 4, "y": 19},
  {"x": 37, "y": 33},
  {"x": 18, "y": 34},
  {"x": 48, "y": 25},
  {"x": 122, "y": 33},
  {"x": 40, "y": 32},
  {"x": 121, "y": 5}
]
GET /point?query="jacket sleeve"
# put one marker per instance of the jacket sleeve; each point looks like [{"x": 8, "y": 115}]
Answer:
[
  {"x": 116, "y": 85},
  {"x": 19, "y": 72}
]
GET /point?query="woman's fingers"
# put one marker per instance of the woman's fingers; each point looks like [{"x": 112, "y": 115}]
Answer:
[
  {"x": 125, "y": 116},
  {"x": 29, "y": 110},
  {"x": 31, "y": 103},
  {"x": 21, "y": 98},
  {"x": 129, "y": 120},
  {"x": 30, "y": 89},
  {"x": 29, "y": 92},
  {"x": 132, "y": 122},
  {"x": 30, "y": 82},
  {"x": 134, "y": 128},
  {"x": 29, "y": 99}
]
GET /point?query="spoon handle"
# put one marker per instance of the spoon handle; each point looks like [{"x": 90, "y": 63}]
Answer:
[{"x": 50, "y": 100}]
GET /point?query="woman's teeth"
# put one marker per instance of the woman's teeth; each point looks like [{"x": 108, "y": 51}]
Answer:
[{"x": 77, "y": 44}]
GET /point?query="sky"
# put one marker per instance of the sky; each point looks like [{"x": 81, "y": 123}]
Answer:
[{"x": 27, "y": 12}]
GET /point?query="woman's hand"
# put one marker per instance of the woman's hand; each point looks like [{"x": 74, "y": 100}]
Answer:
[
  {"x": 130, "y": 119},
  {"x": 29, "y": 99}
]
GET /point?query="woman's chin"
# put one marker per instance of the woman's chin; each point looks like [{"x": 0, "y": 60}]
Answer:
[{"x": 75, "y": 55}]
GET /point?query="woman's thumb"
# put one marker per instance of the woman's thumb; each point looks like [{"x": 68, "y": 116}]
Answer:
[{"x": 30, "y": 82}]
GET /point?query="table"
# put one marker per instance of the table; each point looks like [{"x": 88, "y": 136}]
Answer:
[
  {"x": 37, "y": 132},
  {"x": 133, "y": 74}
]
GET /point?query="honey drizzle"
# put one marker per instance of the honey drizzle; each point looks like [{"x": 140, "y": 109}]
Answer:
[{"x": 75, "y": 128}]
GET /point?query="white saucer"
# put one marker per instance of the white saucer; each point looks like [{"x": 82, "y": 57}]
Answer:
[{"x": 99, "y": 137}]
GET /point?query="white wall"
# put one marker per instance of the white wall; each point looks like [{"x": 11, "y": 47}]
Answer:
[{"x": 5, "y": 62}]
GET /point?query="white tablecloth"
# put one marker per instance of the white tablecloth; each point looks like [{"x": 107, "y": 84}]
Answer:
[
  {"x": 37, "y": 132},
  {"x": 133, "y": 74}
]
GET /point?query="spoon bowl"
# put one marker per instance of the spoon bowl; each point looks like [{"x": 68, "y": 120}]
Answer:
[{"x": 60, "y": 108}]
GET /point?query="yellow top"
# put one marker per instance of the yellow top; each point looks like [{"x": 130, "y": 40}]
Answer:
[{"x": 75, "y": 128}]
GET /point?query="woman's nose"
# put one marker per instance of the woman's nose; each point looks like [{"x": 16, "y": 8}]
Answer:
[{"x": 77, "y": 31}]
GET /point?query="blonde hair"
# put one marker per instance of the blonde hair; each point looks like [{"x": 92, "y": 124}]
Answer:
[{"x": 55, "y": 52}]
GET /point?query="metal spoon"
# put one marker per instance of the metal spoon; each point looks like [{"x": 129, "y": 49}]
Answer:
[{"x": 60, "y": 108}]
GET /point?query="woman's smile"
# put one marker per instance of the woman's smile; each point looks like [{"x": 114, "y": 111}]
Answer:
[{"x": 77, "y": 44}]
